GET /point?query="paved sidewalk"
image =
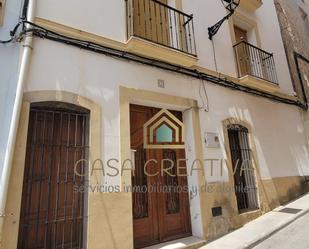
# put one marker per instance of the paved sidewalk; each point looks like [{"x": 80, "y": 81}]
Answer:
[
  {"x": 263, "y": 227},
  {"x": 293, "y": 236}
]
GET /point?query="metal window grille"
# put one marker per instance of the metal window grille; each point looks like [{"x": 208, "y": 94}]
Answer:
[{"x": 244, "y": 174}]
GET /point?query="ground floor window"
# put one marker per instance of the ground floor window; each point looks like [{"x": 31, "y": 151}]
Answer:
[{"x": 243, "y": 170}]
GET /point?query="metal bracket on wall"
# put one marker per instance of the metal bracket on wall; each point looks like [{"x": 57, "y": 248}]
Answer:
[{"x": 231, "y": 6}]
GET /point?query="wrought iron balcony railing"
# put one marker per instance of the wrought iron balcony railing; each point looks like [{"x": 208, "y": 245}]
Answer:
[
  {"x": 155, "y": 21},
  {"x": 254, "y": 61}
]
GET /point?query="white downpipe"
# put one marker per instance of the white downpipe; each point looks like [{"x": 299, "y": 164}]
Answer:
[{"x": 9, "y": 153}]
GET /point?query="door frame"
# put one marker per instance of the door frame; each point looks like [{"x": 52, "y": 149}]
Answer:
[
  {"x": 157, "y": 217},
  {"x": 190, "y": 106},
  {"x": 104, "y": 208},
  {"x": 13, "y": 205}
]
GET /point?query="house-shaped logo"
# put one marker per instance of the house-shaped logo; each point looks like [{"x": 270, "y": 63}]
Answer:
[{"x": 164, "y": 131}]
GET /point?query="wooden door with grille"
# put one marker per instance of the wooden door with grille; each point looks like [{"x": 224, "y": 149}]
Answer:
[
  {"x": 52, "y": 210},
  {"x": 158, "y": 215}
]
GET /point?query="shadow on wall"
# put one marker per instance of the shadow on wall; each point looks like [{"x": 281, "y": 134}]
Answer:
[
  {"x": 296, "y": 188},
  {"x": 271, "y": 145},
  {"x": 222, "y": 224}
]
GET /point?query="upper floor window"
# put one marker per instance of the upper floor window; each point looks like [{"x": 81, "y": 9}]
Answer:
[
  {"x": 158, "y": 22},
  {"x": 250, "y": 59}
]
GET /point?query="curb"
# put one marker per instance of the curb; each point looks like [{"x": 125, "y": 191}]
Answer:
[{"x": 276, "y": 229}]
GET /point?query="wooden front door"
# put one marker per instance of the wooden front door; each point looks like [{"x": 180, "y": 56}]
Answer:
[
  {"x": 52, "y": 209},
  {"x": 160, "y": 211}
]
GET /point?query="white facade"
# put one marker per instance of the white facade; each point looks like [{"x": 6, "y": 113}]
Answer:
[
  {"x": 277, "y": 128},
  {"x": 102, "y": 20}
]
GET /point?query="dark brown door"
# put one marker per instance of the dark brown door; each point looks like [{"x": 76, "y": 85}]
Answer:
[
  {"x": 52, "y": 210},
  {"x": 159, "y": 214}
]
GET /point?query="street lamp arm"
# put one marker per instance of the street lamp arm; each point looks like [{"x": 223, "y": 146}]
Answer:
[
  {"x": 231, "y": 6},
  {"x": 215, "y": 28}
]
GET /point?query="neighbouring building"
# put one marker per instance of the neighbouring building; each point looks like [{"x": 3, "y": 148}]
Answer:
[
  {"x": 294, "y": 22},
  {"x": 125, "y": 126}
]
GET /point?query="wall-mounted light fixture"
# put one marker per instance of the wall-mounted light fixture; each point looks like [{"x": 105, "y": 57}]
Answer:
[{"x": 231, "y": 6}]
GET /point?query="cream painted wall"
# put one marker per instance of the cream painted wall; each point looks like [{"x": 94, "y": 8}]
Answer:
[
  {"x": 101, "y": 17},
  {"x": 277, "y": 128}
]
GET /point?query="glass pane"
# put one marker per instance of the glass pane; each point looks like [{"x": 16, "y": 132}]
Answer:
[{"x": 164, "y": 134}]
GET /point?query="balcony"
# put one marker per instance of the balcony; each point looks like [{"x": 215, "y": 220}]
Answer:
[
  {"x": 256, "y": 66},
  {"x": 157, "y": 29},
  {"x": 251, "y": 5}
]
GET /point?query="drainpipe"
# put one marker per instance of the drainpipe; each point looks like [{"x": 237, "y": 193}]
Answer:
[{"x": 9, "y": 153}]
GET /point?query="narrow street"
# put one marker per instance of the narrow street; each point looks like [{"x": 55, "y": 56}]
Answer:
[{"x": 294, "y": 236}]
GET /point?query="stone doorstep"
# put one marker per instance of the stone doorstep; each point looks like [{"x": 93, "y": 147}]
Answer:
[{"x": 183, "y": 243}]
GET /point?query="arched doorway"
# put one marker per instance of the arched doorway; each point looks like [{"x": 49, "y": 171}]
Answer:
[{"x": 52, "y": 209}]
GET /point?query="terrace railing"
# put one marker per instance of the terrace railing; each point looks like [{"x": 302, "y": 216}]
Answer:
[
  {"x": 157, "y": 22},
  {"x": 256, "y": 62}
]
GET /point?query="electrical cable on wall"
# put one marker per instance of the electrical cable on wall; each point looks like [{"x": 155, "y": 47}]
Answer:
[
  {"x": 44, "y": 33},
  {"x": 205, "y": 102},
  {"x": 12, "y": 34},
  {"x": 214, "y": 54}
]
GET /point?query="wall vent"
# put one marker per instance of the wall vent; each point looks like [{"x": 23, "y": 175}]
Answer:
[{"x": 216, "y": 211}]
